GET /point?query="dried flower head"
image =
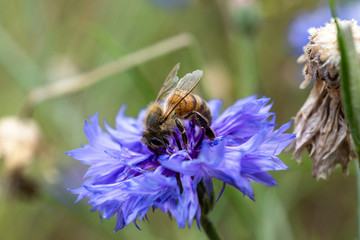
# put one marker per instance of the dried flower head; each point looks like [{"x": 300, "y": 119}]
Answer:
[
  {"x": 298, "y": 29},
  {"x": 126, "y": 179},
  {"x": 19, "y": 140},
  {"x": 320, "y": 125}
]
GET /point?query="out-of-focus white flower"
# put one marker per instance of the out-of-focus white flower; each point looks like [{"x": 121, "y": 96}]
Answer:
[{"x": 19, "y": 141}]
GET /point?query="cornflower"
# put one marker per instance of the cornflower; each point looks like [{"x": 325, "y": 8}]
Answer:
[{"x": 126, "y": 179}]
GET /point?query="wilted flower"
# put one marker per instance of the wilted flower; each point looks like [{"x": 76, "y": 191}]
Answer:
[
  {"x": 320, "y": 125},
  {"x": 19, "y": 142},
  {"x": 127, "y": 179},
  {"x": 298, "y": 29}
]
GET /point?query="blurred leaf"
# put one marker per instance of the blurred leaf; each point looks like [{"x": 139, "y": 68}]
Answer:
[
  {"x": 350, "y": 87},
  {"x": 269, "y": 228},
  {"x": 116, "y": 50},
  {"x": 107, "y": 41},
  {"x": 16, "y": 61},
  {"x": 350, "y": 80},
  {"x": 350, "y": 76}
]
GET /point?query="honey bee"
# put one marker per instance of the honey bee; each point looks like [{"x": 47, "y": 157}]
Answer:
[{"x": 174, "y": 104}]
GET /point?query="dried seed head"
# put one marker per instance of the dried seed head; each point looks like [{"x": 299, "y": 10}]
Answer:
[
  {"x": 17, "y": 184},
  {"x": 320, "y": 125},
  {"x": 19, "y": 140},
  {"x": 321, "y": 54}
]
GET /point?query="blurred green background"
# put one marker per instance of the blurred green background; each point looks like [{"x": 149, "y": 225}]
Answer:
[{"x": 242, "y": 49}]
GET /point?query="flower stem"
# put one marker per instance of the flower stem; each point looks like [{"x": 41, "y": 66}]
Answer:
[
  {"x": 209, "y": 228},
  {"x": 77, "y": 83},
  {"x": 357, "y": 170},
  {"x": 206, "y": 201}
]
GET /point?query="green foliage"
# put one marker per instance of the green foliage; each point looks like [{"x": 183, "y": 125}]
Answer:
[
  {"x": 350, "y": 80},
  {"x": 350, "y": 86}
]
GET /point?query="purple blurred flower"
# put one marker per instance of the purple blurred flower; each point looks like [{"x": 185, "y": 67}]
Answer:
[
  {"x": 298, "y": 35},
  {"x": 127, "y": 179}
]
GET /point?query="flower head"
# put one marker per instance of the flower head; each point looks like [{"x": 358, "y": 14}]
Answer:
[
  {"x": 127, "y": 179},
  {"x": 20, "y": 140},
  {"x": 320, "y": 125}
]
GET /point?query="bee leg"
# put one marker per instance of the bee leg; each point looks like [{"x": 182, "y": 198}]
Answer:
[
  {"x": 203, "y": 122},
  {"x": 153, "y": 150},
  {"x": 166, "y": 141},
  {"x": 181, "y": 128},
  {"x": 200, "y": 139}
]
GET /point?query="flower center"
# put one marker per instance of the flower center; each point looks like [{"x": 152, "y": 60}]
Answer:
[{"x": 195, "y": 136}]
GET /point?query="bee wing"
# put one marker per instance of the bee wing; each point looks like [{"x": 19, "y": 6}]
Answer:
[
  {"x": 183, "y": 88},
  {"x": 169, "y": 84}
]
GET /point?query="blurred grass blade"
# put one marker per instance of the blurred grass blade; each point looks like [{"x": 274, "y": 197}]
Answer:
[
  {"x": 106, "y": 41},
  {"x": 350, "y": 87},
  {"x": 17, "y": 63},
  {"x": 350, "y": 91},
  {"x": 350, "y": 76},
  {"x": 357, "y": 170},
  {"x": 116, "y": 50},
  {"x": 350, "y": 79},
  {"x": 333, "y": 8},
  {"x": 76, "y": 83}
]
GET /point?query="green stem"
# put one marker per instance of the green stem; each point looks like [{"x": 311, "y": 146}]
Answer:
[
  {"x": 206, "y": 202},
  {"x": 74, "y": 84},
  {"x": 332, "y": 8},
  {"x": 357, "y": 170},
  {"x": 248, "y": 65},
  {"x": 209, "y": 228}
]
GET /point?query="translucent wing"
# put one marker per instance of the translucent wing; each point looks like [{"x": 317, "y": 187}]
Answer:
[
  {"x": 183, "y": 88},
  {"x": 169, "y": 84}
]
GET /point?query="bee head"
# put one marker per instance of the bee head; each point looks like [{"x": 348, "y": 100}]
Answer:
[
  {"x": 155, "y": 135},
  {"x": 155, "y": 140}
]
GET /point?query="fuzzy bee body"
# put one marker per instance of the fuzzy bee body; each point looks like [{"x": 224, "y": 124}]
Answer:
[{"x": 174, "y": 104}]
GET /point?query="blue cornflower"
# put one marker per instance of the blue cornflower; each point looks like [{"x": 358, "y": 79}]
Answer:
[
  {"x": 127, "y": 179},
  {"x": 298, "y": 35}
]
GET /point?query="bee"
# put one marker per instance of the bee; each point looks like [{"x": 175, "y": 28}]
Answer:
[{"x": 174, "y": 104}]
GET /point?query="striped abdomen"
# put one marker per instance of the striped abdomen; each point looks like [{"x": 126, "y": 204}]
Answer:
[{"x": 192, "y": 103}]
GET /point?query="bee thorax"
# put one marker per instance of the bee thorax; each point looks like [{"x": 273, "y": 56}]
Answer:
[{"x": 152, "y": 120}]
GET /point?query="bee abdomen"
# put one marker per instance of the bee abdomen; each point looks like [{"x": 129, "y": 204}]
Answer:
[
  {"x": 192, "y": 103},
  {"x": 202, "y": 108}
]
